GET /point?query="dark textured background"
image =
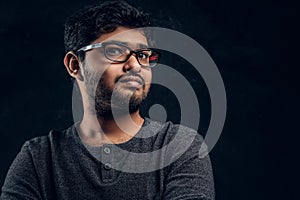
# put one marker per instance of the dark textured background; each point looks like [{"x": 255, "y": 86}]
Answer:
[{"x": 254, "y": 44}]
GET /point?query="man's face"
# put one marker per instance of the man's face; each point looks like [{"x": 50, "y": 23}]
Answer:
[{"x": 129, "y": 82}]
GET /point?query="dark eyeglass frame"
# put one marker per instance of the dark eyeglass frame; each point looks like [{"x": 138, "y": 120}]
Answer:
[{"x": 136, "y": 52}]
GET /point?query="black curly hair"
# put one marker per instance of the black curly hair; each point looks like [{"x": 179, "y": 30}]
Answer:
[{"x": 86, "y": 25}]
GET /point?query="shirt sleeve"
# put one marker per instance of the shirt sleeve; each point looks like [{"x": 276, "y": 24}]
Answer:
[
  {"x": 21, "y": 181},
  {"x": 190, "y": 176}
]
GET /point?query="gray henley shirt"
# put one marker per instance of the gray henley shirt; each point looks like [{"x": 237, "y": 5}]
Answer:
[{"x": 60, "y": 166}]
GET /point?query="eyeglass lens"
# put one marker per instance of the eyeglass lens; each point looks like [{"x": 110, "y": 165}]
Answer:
[{"x": 120, "y": 53}]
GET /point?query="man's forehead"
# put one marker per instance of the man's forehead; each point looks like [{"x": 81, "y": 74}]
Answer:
[{"x": 129, "y": 37}]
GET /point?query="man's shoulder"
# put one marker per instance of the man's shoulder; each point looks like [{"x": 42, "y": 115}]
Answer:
[
  {"x": 53, "y": 138},
  {"x": 168, "y": 125},
  {"x": 173, "y": 133}
]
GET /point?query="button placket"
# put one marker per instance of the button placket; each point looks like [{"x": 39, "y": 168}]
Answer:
[{"x": 108, "y": 173}]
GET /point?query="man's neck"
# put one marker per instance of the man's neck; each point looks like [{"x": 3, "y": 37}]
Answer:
[{"x": 96, "y": 132}]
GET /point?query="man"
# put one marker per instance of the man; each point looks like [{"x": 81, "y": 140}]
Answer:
[{"x": 112, "y": 152}]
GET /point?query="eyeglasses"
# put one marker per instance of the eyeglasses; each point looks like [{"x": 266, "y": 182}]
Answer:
[{"x": 120, "y": 53}]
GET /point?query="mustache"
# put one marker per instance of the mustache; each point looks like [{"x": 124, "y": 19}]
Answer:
[{"x": 130, "y": 75}]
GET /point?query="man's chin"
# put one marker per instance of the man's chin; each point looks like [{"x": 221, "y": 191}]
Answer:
[
  {"x": 126, "y": 93},
  {"x": 118, "y": 109},
  {"x": 124, "y": 100}
]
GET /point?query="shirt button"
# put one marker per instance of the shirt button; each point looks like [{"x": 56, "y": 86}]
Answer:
[
  {"x": 107, "y": 166},
  {"x": 106, "y": 150}
]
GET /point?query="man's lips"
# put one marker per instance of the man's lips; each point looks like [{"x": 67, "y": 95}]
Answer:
[{"x": 132, "y": 81}]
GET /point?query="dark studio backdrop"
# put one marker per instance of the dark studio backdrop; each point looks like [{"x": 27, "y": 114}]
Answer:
[{"x": 253, "y": 43}]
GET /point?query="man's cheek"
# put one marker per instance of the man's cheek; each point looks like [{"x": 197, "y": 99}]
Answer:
[{"x": 147, "y": 77}]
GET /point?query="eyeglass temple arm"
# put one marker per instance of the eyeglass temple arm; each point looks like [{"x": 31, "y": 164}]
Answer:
[{"x": 89, "y": 47}]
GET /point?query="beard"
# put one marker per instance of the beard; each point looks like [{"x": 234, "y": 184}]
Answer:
[{"x": 106, "y": 102}]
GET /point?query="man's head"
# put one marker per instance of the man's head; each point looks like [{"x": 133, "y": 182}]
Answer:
[
  {"x": 88, "y": 24},
  {"x": 94, "y": 38}
]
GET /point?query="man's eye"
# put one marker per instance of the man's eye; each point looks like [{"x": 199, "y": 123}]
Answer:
[
  {"x": 113, "y": 51},
  {"x": 143, "y": 55}
]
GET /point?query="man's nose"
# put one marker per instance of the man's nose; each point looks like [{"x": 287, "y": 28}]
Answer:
[{"x": 132, "y": 64}]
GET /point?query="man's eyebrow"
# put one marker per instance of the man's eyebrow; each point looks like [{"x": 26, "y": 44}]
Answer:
[{"x": 138, "y": 45}]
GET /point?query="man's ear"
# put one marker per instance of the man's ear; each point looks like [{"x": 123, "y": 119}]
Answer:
[{"x": 72, "y": 64}]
